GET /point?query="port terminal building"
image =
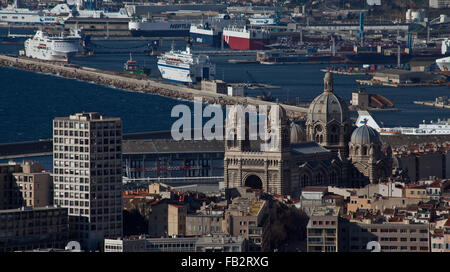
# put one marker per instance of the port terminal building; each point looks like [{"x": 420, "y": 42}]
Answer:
[{"x": 167, "y": 158}]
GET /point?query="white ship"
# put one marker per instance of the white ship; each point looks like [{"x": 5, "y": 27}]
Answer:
[
  {"x": 54, "y": 48},
  {"x": 262, "y": 19},
  {"x": 88, "y": 13},
  {"x": 160, "y": 27},
  {"x": 57, "y": 15},
  {"x": 443, "y": 64},
  {"x": 440, "y": 127},
  {"x": 14, "y": 15},
  {"x": 185, "y": 67}
]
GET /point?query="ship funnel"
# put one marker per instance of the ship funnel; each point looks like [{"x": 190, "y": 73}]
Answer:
[{"x": 188, "y": 48}]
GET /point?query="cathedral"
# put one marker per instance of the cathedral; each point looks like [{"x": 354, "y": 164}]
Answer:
[{"x": 327, "y": 150}]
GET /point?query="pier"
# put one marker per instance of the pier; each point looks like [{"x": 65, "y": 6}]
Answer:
[
  {"x": 138, "y": 83},
  {"x": 433, "y": 104},
  {"x": 361, "y": 73},
  {"x": 392, "y": 84}
]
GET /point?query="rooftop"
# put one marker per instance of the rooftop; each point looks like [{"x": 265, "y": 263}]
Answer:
[
  {"x": 25, "y": 209},
  {"x": 325, "y": 211},
  {"x": 247, "y": 207},
  {"x": 322, "y": 189},
  {"x": 171, "y": 146},
  {"x": 88, "y": 116},
  {"x": 307, "y": 148}
]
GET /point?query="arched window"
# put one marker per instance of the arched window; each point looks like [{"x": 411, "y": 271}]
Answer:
[
  {"x": 334, "y": 135},
  {"x": 333, "y": 178},
  {"x": 364, "y": 150},
  {"x": 319, "y": 179},
  {"x": 304, "y": 180}
]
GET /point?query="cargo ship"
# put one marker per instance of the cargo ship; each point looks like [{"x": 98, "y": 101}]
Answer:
[
  {"x": 160, "y": 28},
  {"x": 132, "y": 67},
  {"x": 209, "y": 32},
  {"x": 242, "y": 38},
  {"x": 205, "y": 34},
  {"x": 376, "y": 58}
]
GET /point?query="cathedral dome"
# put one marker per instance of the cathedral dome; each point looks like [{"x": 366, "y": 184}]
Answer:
[
  {"x": 327, "y": 106},
  {"x": 365, "y": 135},
  {"x": 297, "y": 133}
]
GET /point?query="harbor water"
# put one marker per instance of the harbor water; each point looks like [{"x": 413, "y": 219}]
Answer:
[{"x": 29, "y": 101}]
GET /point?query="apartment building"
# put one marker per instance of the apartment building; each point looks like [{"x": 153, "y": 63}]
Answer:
[
  {"x": 24, "y": 185},
  {"x": 416, "y": 191},
  {"x": 35, "y": 185},
  {"x": 87, "y": 175},
  {"x": 392, "y": 237},
  {"x": 439, "y": 3},
  {"x": 146, "y": 244},
  {"x": 323, "y": 230},
  {"x": 29, "y": 228},
  {"x": 328, "y": 232},
  {"x": 220, "y": 243},
  {"x": 208, "y": 243},
  {"x": 167, "y": 219},
  {"x": 249, "y": 218},
  {"x": 203, "y": 223}
]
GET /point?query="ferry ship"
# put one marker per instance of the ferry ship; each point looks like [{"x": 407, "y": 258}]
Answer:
[
  {"x": 241, "y": 38},
  {"x": 185, "y": 67},
  {"x": 160, "y": 28},
  {"x": 440, "y": 127},
  {"x": 53, "y": 48},
  {"x": 14, "y": 15},
  {"x": 443, "y": 64},
  {"x": 25, "y": 16}
]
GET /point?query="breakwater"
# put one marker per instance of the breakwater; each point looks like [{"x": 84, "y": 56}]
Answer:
[{"x": 138, "y": 83}]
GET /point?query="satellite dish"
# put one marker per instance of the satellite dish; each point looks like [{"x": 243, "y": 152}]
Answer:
[{"x": 73, "y": 246}]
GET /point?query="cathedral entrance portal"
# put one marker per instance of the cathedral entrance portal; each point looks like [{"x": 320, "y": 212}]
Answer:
[{"x": 253, "y": 182}]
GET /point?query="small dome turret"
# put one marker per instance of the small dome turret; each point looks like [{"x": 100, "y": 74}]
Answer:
[
  {"x": 365, "y": 135},
  {"x": 298, "y": 134}
]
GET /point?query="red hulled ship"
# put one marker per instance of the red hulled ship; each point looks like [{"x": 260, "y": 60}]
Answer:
[{"x": 241, "y": 38}]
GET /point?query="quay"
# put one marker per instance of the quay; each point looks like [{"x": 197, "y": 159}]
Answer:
[
  {"x": 391, "y": 84},
  {"x": 433, "y": 104},
  {"x": 227, "y": 52},
  {"x": 346, "y": 73},
  {"x": 139, "y": 84}
]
